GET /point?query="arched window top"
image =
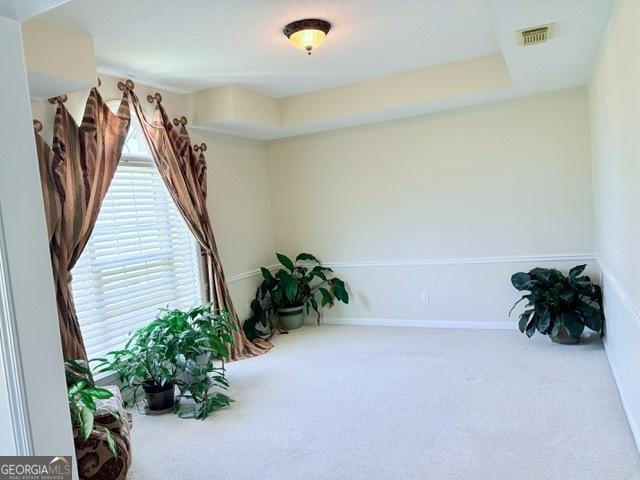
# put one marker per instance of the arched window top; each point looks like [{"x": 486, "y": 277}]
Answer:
[{"x": 135, "y": 144}]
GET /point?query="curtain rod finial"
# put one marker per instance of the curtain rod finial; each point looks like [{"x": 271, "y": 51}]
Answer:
[
  {"x": 156, "y": 96},
  {"x": 59, "y": 98},
  {"x": 37, "y": 125},
  {"x": 126, "y": 85},
  {"x": 180, "y": 121}
]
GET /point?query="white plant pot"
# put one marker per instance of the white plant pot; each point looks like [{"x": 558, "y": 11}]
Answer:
[{"x": 291, "y": 318}]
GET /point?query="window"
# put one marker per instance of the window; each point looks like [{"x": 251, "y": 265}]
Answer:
[{"x": 141, "y": 255}]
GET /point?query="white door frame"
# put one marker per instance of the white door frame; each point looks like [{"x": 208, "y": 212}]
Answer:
[{"x": 10, "y": 360}]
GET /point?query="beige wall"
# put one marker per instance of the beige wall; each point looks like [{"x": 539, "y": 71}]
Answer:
[
  {"x": 502, "y": 180},
  {"x": 615, "y": 113},
  {"x": 509, "y": 178},
  {"x": 238, "y": 190},
  {"x": 615, "y": 104},
  {"x": 240, "y": 208},
  {"x": 58, "y": 59}
]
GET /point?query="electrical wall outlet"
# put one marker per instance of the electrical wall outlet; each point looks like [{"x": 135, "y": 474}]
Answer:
[{"x": 425, "y": 297}]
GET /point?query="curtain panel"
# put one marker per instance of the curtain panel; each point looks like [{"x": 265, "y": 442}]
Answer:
[
  {"x": 185, "y": 175},
  {"x": 76, "y": 172}
]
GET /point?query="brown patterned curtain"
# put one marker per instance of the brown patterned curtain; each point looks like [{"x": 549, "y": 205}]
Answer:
[
  {"x": 76, "y": 173},
  {"x": 185, "y": 175}
]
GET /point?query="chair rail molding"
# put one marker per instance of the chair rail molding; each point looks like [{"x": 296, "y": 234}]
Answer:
[
  {"x": 620, "y": 293},
  {"x": 567, "y": 257}
]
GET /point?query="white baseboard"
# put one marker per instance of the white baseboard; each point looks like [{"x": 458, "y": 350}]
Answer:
[
  {"x": 632, "y": 315},
  {"x": 399, "y": 322}
]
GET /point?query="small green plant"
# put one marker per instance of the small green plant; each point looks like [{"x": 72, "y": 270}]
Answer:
[
  {"x": 558, "y": 305},
  {"x": 144, "y": 360},
  {"x": 200, "y": 355},
  {"x": 305, "y": 282},
  {"x": 83, "y": 393},
  {"x": 182, "y": 348}
]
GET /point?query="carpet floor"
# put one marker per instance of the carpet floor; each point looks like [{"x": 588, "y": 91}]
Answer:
[{"x": 382, "y": 403}]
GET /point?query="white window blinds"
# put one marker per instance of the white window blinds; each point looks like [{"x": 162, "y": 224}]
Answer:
[{"x": 141, "y": 257}]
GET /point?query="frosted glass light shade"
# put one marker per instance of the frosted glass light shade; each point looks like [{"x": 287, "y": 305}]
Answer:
[{"x": 308, "y": 39}]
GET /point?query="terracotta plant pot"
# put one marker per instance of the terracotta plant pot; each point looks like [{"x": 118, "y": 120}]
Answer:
[
  {"x": 291, "y": 318},
  {"x": 564, "y": 337}
]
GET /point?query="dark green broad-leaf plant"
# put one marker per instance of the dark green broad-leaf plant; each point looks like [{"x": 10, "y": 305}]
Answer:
[
  {"x": 303, "y": 282},
  {"x": 558, "y": 305}
]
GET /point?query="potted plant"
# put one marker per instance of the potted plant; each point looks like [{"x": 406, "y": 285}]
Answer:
[
  {"x": 557, "y": 305},
  {"x": 200, "y": 354},
  {"x": 301, "y": 285},
  {"x": 82, "y": 394},
  {"x": 183, "y": 349},
  {"x": 145, "y": 362}
]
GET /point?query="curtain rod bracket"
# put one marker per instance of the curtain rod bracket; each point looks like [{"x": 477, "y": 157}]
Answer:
[
  {"x": 180, "y": 121},
  {"x": 59, "y": 98},
  {"x": 156, "y": 96},
  {"x": 126, "y": 85},
  {"x": 37, "y": 125}
]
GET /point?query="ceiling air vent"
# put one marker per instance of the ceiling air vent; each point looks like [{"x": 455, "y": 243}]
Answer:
[{"x": 534, "y": 35}]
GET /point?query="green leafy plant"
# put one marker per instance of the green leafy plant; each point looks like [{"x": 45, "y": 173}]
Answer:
[
  {"x": 183, "y": 348},
  {"x": 305, "y": 282},
  {"x": 200, "y": 355},
  {"x": 83, "y": 393},
  {"x": 558, "y": 304},
  {"x": 146, "y": 359}
]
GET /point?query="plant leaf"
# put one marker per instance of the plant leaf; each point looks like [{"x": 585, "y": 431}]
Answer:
[
  {"x": 86, "y": 422},
  {"x": 572, "y": 323},
  {"x": 524, "y": 320},
  {"x": 516, "y": 304},
  {"x": 531, "y": 326},
  {"x": 111, "y": 444},
  {"x": 339, "y": 290},
  {"x": 592, "y": 317},
  {"x": 286, "y": 261},
  {"x": 266, "y": 274},
  {"x": 101, "y": 393},
  {"x": 276, "y": 296},
  {"x": 545, "y": 321},
  {"x": 575, "y": 271},
  {"x": 307, "y": 257},
  {"x": 327, "y": 299},
  {"x": 521, "y": 281}
]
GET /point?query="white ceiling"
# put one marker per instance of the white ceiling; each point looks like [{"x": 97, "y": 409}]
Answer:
[
  {"x": 568, "y": 58},
  {"x": 24, "y": 9},
  {"x": 189, "y": 45}
]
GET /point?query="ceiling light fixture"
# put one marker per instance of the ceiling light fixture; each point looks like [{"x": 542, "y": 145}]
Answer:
[{"x": 307, "y": 34}]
